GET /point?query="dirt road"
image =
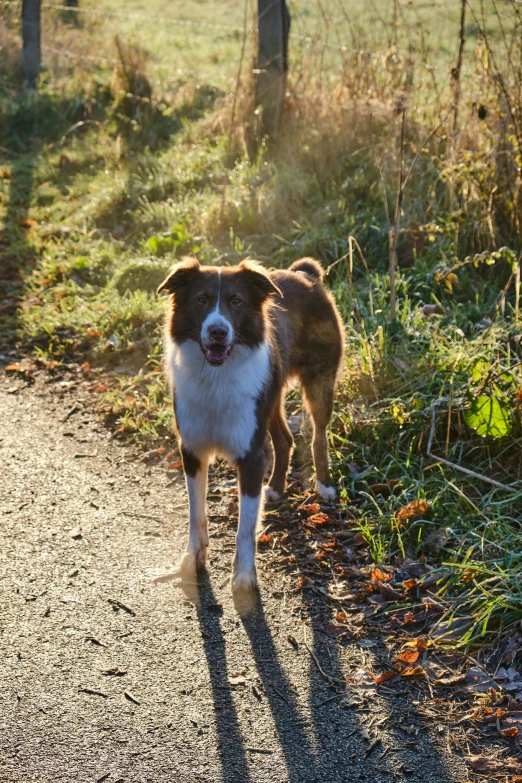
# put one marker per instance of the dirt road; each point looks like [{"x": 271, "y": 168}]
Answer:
[{"x": 105, "y": 675}]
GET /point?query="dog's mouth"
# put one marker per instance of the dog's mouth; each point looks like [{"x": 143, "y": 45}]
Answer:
[{"x": 216, "y": 353}]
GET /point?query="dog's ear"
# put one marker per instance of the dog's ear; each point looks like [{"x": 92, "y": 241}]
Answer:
[
  {"x": 180, "y": 275},
  {"x": 258, "y": 276}
]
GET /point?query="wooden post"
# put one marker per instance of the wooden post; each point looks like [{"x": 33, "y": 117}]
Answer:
[
  {"x": 273, "y": 32},
  {"x": 31, "y": 54}
]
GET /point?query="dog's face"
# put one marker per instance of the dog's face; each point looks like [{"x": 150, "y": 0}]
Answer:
[{"x": 219, "y": 307}]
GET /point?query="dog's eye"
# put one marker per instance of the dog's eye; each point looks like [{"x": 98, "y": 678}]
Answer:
[
  {"x": 236, "y": 301},
  {"x": 202, "y": 300}
]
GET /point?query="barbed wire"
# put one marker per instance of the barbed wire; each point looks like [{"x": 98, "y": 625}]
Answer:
[
  {"x": 308, "y": 39},
  {"x": 68, "y": 54}
]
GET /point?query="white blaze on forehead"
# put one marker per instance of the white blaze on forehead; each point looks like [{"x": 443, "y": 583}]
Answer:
[{"x": 216, "y": 318}]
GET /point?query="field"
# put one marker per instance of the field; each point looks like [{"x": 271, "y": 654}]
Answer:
[{"x": 137, "y": 150}]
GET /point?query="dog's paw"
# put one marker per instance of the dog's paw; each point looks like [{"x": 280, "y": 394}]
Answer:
[
  {"x": 271, "y": 496},
  {"x": 244, "y": 581},
  {"x": 325, "y": 493},
  {"x": 192, "y": 562}
]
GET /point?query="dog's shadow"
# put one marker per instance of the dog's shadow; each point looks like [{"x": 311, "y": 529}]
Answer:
[
  {"x": 319, "y": 742},
  {"x": 299, "y": 755}
]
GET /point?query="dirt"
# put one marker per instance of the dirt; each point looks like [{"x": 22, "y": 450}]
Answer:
[{"x": 105, "y": 675}]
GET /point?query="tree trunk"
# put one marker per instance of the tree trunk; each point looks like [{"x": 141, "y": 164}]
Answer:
[
  {"x": 273, "y": 31},
  {"x": 31, "y": 55}
]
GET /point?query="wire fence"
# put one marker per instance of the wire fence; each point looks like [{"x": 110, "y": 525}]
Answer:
[
  {"x": 348, "y": 43},
  {"x": 338, "y": 24}
]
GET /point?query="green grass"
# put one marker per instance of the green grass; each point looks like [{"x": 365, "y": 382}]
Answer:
[{"x": 93, "y": 214}]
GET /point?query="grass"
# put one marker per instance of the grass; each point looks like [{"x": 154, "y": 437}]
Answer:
[{"x": 128, "y": 157}]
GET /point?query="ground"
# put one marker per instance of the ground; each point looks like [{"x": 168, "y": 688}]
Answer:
[{"x": 107, "y": 675}]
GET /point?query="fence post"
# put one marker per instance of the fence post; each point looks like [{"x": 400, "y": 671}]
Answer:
[
  {"x": 273, "y": 31},
  {"x": 31, "y": 55}
]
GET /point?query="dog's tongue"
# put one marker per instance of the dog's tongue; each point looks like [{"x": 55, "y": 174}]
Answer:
[{"x": 216, "y": 353}]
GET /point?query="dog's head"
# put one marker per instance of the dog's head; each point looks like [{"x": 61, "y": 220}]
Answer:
[{"x": 219, "y": 307}]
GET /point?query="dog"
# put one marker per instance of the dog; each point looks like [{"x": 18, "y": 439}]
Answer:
[{"x": 235, "y": 337}]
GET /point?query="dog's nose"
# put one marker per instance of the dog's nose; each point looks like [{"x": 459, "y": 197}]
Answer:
[{"x": 218, "y": 333}]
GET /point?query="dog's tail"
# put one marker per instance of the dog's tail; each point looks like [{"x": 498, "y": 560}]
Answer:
[{"x": 309, "y": 266}]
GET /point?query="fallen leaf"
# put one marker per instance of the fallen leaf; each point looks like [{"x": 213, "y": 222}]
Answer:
[
  {"x": 265, "y": 538},
  {"x": 232, "y": 508},
  {"x": 28, "y": 223},
  {"x": 477, "y": 680},
  {"x": 85, "y": 368},
  {"x": 432, "y": 309},
  {"x": 239, "y": 680},
  {"x": 489, "y": 764},
  {"x": 413, "y": 671},
  {"x": 381, "y": 576},
  {"x": 419, "y": 644},
  {"x": 334, "y": 629},
  {"x": 408, "y": 656},
  {"x": 177, "y": 465},
  {"x": 319, "y": 519},
  {"x": 384, "y": 489},
  {"x": 385, "y": 676},
  {"x": 512, "y": 731},
  {"x": 92, "y": 333},
  {"x": 414, "y": 510},
  {"x": 302, "y": 581},
  {"x": 15, "y": 368}
]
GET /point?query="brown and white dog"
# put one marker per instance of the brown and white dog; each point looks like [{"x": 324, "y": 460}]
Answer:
[{"x": 235, "y": 337}]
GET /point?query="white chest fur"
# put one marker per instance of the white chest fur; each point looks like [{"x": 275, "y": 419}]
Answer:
[{"x": 216, "y": 406}]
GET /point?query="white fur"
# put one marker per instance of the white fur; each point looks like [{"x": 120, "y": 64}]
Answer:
[
  {"x": 215, "y": 318},
  {"x": 216, "y": 406},
  {"x": 326, "y": 493},
  {"x": 250, "y": 510},
  {"x": 196, "y": 554}
]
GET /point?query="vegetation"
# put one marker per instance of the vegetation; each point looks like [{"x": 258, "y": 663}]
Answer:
[{"x": 140, "y": 149}]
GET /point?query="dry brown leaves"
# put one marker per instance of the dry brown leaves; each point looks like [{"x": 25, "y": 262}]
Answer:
[
  {"x": 412, "y": 511},
  {"x": 487, "y": 764}
]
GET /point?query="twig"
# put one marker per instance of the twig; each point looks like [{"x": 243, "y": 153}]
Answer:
[
  {"x": 372, "y": 746},
  {"x": 76, "y": 126},
  {"x": 281, "y": 696},
  {"x": 330, "y": 698},
  {"x": 327, "y": 677},
  {"x": 118, "y": 605},
  {"x": 234, "y": 104},
  {"x": 394, "y": 239},
  {"x": 456, "y": 71},
  {"x": 351, "y": 241},
  {"x": 381, "y": 177},
  {"x": 450, "y": 407},
  {"x": 91, "y": 692},
  {"x": 453, "y": 465}
]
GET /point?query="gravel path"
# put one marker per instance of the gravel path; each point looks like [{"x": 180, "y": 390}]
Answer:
[{"x": 105, "y": 675}]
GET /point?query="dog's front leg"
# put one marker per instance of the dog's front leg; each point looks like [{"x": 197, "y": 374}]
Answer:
[
  {"x": 251, "y": 469},
  {"x": 196, "y": 474}
]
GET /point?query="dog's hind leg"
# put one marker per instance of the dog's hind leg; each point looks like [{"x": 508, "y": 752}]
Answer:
[
  {"x": 196, "y": 475},
  {"x": 282, "y": 442},
  {"x": 319, "y": 394}
]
